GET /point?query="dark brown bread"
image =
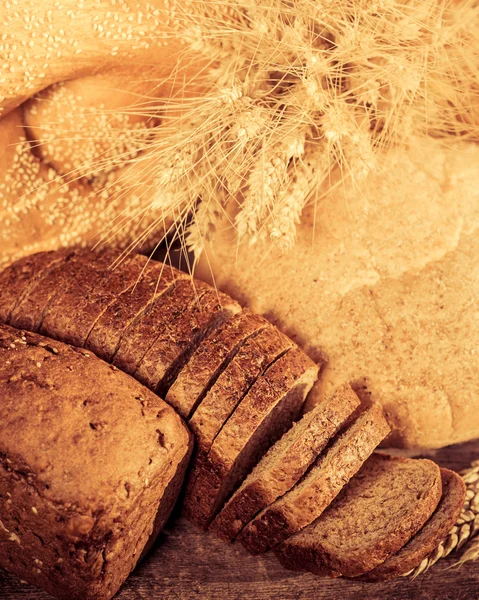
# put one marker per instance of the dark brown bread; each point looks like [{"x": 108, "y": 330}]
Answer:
[
  {"x": 75, "y": 266},
  {"x": 158, "y": 318},
  {"x": 286, "y": 462},
  {"x": 209, "y": 360},
  {"x": 264, "y": 414},
  {"x": 89, "y": 296},
  {"x": 252, "y": 359},
  {"x": 106, "y": 334},
  {"x": 378, "y": 512},
  {"x": 326, "y": 478},
  {"x": 174, "y": 346},
  {"x": 90, "y": 466},
  {"x": 17, "y": 279},
  {"x": 430, "y": 536}
]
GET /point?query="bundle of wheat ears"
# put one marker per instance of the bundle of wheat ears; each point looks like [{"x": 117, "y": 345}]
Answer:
[{"x": 299, "y": 89}]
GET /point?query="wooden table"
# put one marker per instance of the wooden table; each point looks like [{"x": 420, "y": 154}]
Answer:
[{"x": 188, "y": 564}]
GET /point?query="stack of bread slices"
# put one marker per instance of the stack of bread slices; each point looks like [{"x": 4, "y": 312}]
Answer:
[{"x": 309, "y": 486}]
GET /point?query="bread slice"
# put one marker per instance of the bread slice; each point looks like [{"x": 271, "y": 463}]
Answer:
[
  {"x": 158, "y": 318},
  {"x": 263, "y": 415},
  {"x": 174, "y": 346},
  {"x": 430, "y": 536},
  {"x": 380, "y": 510},
  {"x": 326, "y": 478},
  {"x": 286, "y": 462},
  {"x": 18, "y": 279},
  {"x": 209, "y": 360},
  {"x": 252, "y": 360},
  {"x": 90, "y": 295},
  {"x": 30, "y": 312},
  {"x": 106, "y": 334}
]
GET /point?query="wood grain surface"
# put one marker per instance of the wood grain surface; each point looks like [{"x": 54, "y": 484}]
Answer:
[{"x": 189, "y": 564}]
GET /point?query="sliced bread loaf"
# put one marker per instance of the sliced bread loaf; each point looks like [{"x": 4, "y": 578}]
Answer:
[
  {"x": 252, "y": 359},
  {"x": 209, "y": 360},
  {"x": 430, "y": 536},
  {"x": 106, "y": 334},
  {"x": 158, "y": 319},
  {"x": 326, "y": 478},
  {"x": 19, "y": 278},
  {"x": 89, "y": 296},
  {"x": 285, "y": 462},
  {"x": 380, "y": 510},
  {"x": 263, "y": 415},
  {"x": 173, "y": 348}
]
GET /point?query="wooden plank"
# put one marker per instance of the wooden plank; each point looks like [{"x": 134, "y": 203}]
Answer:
[{"x": 188, "y": 564}]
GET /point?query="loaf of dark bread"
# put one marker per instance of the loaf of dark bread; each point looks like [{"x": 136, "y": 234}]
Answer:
[
  {"x": 379, "y": 511},
  {"x": 285, "y": 462},
  {"x": 91, "y": 463}
]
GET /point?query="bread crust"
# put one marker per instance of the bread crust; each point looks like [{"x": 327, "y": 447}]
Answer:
[
  {"x": 326, "y": 478},
  {"x": 210, "y": 359},
  {"x": 17, "y": 279},
  {"x": 173, "y": 347},
  {"x": 265, "y": 413},
  {"x": 90, "y": 296},
  {"x": 286, "y": 462},
  {"x": 430, "y": 536},
  {"x": 373, "y": 517},
  {"x": 90, "y": 466},
  {"x": 105, "y": 337}
]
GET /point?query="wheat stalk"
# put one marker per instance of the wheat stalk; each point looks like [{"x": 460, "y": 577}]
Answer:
[{"x": 464, "y": 533}]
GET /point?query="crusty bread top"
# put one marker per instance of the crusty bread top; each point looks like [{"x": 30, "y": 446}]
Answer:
[
  {"x": 104, "y": 436},
  {"x": 380, "y": 509},
  {"x": 207, "y": 362},
  {"x": 430, "y": 536}
]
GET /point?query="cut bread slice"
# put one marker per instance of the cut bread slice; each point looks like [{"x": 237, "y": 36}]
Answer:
[
  {"x": 30, "y": 312},
  {"x": 209, "y": 360},
  {"x": 18, "y": 279},
  {"x": 173, "y": 348},
  {"x": 158, "y": 318},
  {"x": 430, "y": 536},
  {"x": 264, "y": 414},
  {"x": 286, "y": 462},
  {"x": 89, "y": 296},
  {"x": 107, "y": 332},
  {"x": 251, "y": 361},
  {"x": 380, "y": 510},
  {"x": 326, "y": 478}
]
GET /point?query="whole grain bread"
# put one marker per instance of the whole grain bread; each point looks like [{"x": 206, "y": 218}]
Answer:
[
  {"x": 158, "y": 318},
  {"x": 91, "y": 463},
  {"x": 89, "y": 296},
  {"x": 252, "y": 359},
  {"x": 285, "y": 462},
  {"x": 430, "y": 536},
  {"x": 378, "y": 512},
  {"x": 104, "y": 339},
  {"x": 17, "y": 279},
  {"x": 174, "y": 346},
  {"x": 264, "y": 414},
  {"x": 314, "y": 493},
  {"x": 209, "y": 360}
]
